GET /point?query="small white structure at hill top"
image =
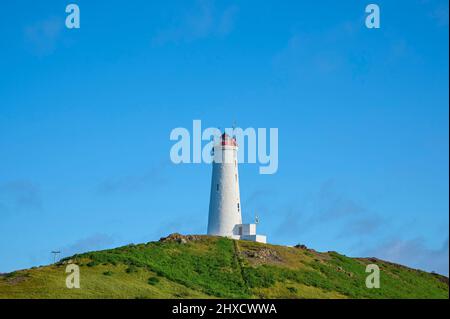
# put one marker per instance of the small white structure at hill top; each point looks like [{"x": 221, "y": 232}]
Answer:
[{"x": 225, "y": 211}]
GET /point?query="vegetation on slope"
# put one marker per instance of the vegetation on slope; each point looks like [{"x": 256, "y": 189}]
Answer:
[{"x": 213, "y": 267}]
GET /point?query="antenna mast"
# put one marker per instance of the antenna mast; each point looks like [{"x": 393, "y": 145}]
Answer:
[{"x": 55, "y": 255}]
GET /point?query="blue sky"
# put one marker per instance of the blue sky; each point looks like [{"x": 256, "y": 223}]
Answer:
[{"x": 85, "y": 118}]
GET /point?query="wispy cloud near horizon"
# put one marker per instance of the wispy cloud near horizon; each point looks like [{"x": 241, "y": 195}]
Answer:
[
  {"x": 94, "y": 242},
  {"x": 413, "y": 253},
  {"x": 329, "y": 205}
]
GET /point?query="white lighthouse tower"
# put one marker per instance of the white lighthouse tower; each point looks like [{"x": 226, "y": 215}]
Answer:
[{"x": 225, "y": 211}]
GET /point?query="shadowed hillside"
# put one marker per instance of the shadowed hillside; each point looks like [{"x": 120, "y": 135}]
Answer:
[{"x": 212, "y": 267}]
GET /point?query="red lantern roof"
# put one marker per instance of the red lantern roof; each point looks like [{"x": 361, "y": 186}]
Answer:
[{"x": 227, "y": 140}]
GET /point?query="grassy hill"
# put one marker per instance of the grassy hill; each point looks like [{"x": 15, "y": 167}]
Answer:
[{"x": 212, "y": 267}]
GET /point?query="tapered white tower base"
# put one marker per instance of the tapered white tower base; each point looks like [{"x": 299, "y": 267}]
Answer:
[
  {"x": 225, "y": 216},
  {"x": 225, "y": 203}
]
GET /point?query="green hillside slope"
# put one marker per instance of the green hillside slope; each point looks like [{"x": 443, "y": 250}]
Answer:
[{"x": 213, "y": 267}]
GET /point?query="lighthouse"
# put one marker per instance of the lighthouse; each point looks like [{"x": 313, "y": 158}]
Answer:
[{"x": 225, "y": 210}]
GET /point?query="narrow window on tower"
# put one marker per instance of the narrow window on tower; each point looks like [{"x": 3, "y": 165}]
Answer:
[
  {"x": 235, "y": 175},
  {"x": 238, "y": 206}
]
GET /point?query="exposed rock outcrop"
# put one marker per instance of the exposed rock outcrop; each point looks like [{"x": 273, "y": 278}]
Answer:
[
  {"x": 263, "y": 254},
  {"x": 182, "y": 239}
]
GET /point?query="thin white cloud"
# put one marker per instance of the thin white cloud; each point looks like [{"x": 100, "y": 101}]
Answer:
[
  {"x": 203, "y": 21},
  {"x": 19, "y": 196},
  {"x": 42, "y": 36},
  {"x": 131, "y": 183}
]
